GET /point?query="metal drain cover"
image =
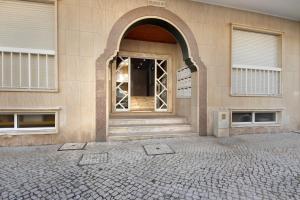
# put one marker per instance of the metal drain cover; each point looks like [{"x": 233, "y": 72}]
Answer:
[
  {"x": 72, "y": 146},
  {"x": 93, "y": 158},
  {"x": 158, "y": 149}
]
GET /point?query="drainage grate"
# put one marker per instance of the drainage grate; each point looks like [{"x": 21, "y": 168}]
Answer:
[
  {"x": 72, "y": 146},
  {"x": 158, "y": 149},
  {"x": 93, "y": 158}
]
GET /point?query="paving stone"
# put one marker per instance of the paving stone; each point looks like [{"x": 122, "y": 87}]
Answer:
[
  {"x": 72, "y": 146},
  {"x": 158, "y": 149},
  {"x": 263, "y": 166},
  {"x": 93, "y": 158}
]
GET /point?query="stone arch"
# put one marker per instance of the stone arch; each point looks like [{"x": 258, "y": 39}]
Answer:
[{"x": 184, "y": 36}]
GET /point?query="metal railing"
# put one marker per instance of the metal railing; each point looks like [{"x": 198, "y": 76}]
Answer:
[
  {"x": 22, "y": 68},
  {"x": 255, "y": 80}
]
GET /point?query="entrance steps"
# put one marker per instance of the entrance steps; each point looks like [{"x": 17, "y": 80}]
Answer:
[{"x": 146, "y": 127}]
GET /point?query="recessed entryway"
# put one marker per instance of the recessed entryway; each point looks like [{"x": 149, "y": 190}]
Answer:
[
  {"x": 185, "y": 52},
  {"x": 144, "y": 86}
]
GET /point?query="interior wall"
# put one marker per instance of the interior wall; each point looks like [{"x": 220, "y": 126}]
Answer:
[
  {"x": 142, "y": 77},
  {"x": 139, "y": 83}
]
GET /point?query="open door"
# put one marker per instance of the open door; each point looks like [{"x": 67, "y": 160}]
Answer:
[
  {"x": 121, "y": 84},
  {"x": 150, "y": 89},
  {"x": 161, "y": 85}
]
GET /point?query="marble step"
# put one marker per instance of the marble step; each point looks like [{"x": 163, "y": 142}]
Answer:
[
  {"x": 146, "y": 121},
  {"x": 144, "y": 136},
  {"x": 149, "y": 128}
]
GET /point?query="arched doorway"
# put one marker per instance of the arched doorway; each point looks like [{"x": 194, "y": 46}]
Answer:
[{"x": 173, "y": 24}]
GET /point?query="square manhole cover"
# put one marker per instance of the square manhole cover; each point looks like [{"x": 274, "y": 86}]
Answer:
[
  {"x": 93, "y": 158},
  {"x": 72, "y": 146},
  {"x": 158, "y": 149}
]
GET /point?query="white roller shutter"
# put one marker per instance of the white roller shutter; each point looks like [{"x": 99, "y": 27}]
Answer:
[
  {"x": 256, "y": 63},
  {"x": 25, "y": 24},
  {"x": 256, "y": 49}
]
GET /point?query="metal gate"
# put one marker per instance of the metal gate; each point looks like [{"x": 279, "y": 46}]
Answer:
[
  {"x": 161, "y": 85},
  {"x": 121, "y": 84}
]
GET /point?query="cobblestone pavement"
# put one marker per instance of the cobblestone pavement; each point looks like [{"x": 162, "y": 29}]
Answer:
[{"x": 265, "y": 166}]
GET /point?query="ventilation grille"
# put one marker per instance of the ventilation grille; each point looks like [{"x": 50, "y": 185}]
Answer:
[{"x": 157, "y": 3}]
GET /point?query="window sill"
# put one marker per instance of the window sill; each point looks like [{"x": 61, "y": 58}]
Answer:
[
  {"x": 9, "y": 133},
  {"x": 256, "y": 95},
  {"x": 248, "y": 125},
  {"x": 29, "y": 109},
  {"x": 29, "y": 90}
]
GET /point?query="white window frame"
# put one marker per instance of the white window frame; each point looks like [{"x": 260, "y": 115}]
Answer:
[
  {"x": 37, "y": 52},
  {"x": 30, "y": 131},
  {"x": 277, "y": 121},
  {"x": 277, "y": 33}
]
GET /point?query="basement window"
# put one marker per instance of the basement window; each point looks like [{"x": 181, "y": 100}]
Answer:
[
  {"x": 28, "y": 123},
  {"x": 265, "y": 117},
  {"x": 36, "y": 120},
  {"x": 242, "y": 117},
  {"x": 7, "y": 121},
  {"x": 253, "y": 118}
]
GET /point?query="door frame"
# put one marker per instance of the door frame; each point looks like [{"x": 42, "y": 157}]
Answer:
[{"x": 170, "y": 72}]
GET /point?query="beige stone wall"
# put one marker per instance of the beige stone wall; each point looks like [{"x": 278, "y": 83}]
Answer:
[
  {"x": 211, "y": 26},
  {"x": 83, "y": 28}
]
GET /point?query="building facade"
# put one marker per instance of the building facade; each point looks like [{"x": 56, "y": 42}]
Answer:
[{"x": 95, "y": 70}]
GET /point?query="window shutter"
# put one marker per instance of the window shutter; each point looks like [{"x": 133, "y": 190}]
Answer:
[
  {"x": 25, "y": 24},
  {"x": 255, "y": 49},
  {"x": 6, "y": 70}
]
